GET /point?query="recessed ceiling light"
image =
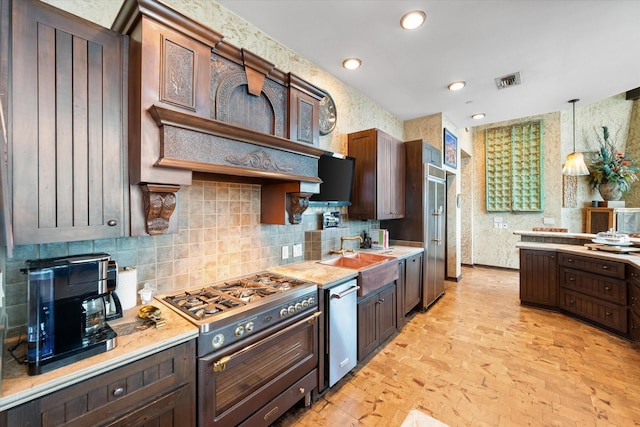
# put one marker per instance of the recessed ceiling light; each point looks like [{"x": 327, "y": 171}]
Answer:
[
  {"x": 351, "y": 63},
  {"x": 457, "y": 85},
  {"x": 413, "y": 20},
  {"x": 478, "y": 116}
]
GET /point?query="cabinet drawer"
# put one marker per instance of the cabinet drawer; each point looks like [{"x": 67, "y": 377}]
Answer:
[
  {"x": 634, "y": 298},
  {"x": 594, "y": 285},
  {"x": 593, "y": 265},
  {"x": 633, "y": 276},
  {"x": 102, "y": 399},
  {"x": 634, "y": 325},
  {"x": 607, "y": 314}
]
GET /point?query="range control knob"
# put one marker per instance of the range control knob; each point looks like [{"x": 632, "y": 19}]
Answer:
[
  {"x": 291, "y": 309},
  {"x": 283, "y": 312},
  {"x": 312, "y": 301},
  {"x": 248, "y": 327},
  {"x": 298, "y": 306},
  {"x": 239, "y": 331},
  {"x": 305, "y": 303},
  {"x": 217, "y": 341}
]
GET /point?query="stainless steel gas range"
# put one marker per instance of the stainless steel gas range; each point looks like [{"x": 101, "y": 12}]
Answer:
[{"x": 257, "y": 347}]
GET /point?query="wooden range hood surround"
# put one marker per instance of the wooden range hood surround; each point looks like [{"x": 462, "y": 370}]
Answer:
[{"x": 200, "y": 105}]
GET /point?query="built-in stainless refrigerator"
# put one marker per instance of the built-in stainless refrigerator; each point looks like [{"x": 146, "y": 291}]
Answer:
[
  {"x": 434, "y": 212},
  {"x": 425, "y": 215}
]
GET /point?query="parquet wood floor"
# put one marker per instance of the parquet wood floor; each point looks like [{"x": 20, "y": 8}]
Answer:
[{"x": 478, "y": 358}]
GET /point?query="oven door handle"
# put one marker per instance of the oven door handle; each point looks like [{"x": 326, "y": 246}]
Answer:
[
  {"x": 345, "y": 293},
  {"x": 221, "y": 364}
]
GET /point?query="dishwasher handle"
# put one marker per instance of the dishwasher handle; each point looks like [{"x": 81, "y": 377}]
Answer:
[{"x": 345, "y": 293}]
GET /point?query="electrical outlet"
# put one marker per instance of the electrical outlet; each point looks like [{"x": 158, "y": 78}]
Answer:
[
  {"x": 297, "y": 250},
  {"x": 496, "y": 225},
  {"x": 285, "y": 252},
  {"x": 504, "y": 225},
  {"x": 548, "y": 221}
]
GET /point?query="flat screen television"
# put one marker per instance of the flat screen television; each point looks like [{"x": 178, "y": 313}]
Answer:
[{"x": 336, "y": 173}]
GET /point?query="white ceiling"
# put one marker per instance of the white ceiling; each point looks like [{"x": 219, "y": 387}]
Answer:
[{"x": 564, "y": 49}]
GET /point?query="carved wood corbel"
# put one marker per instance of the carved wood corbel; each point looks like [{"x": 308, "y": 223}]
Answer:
[
  {"x": 297, "y": 203},
  {"x": 159, "y": 204}
]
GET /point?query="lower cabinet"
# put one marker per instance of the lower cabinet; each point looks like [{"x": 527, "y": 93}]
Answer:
[
  {"x": 599, "y": 297},
  {"x": 412, "y": 283},
  {"x": 376, "y": 319},
  {"x": 538, "y": 283},
  {"x": 157, "y": 390},
  {"x": 633, "y": 281}
]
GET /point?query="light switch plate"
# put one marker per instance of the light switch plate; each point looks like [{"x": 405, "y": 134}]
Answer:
[
  {"x": 285, "y": 252},
  {"x": 297, "y": 250},
  {"x": 548, "y": 221}
]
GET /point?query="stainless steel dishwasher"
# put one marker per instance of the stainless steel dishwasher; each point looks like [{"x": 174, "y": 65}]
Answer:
[{"x": 342, "y": 329}]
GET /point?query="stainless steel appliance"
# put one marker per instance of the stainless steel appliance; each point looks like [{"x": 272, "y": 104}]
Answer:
[
  {"x": 342, "y": 331},
  {"x": 69, "y": 301},
  {"x": 425, "y": 215},
  {"x": 257, "y": 348}
]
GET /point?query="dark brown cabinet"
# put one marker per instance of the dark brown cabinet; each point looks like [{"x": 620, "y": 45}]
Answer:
[
  {"x": 412, "y": 283},
  {"x": 376, "y": 319},
  {"x": 633, "y": 283},
  {"x": 538, "y": 278},
  {"x": 378, "y": 186},
  {"x": 594, "y": 289},
  {"x": 157, "y": 390},
  {"x": 67, "y": 127}
]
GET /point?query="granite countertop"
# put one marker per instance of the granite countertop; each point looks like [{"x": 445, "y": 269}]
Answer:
[
  {"x": 136, "y": 339},
  {"x": 327, "y": 276},
  {"x": 632, "y": 258}
]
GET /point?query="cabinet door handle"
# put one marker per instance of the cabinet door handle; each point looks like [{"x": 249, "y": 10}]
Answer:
[
  {"x": 607, "y": 313},
  {"x": 572, "y": 301},
  {"x": 607, "y": 288},
  {"x": 119, "y": 391},
  {"x": 572, "y": 279},
  {"x": 112, "y": 223}
]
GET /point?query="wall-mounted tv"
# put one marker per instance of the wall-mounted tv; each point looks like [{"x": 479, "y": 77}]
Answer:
[{"x": 336, "y": 172}]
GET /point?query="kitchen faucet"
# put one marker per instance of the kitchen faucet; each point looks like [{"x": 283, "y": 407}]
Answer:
[{"x": 342, "y": 250}]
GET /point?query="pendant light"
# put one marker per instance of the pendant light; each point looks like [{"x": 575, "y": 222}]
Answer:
[{"x": 575, "y": 161}]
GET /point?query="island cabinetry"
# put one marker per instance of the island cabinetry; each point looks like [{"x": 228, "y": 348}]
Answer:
[
  {"x": 538, "y": 278},
  {"x": 376, "y": 319},
  {"x": 633, "y": 281},
  {"x": 66, "y": 141},
  {"x": 412, "y": 283},
  {"x": 378, "y": 184},
  {"x": 595, "y": 290},
  {"x": 157, "y": 390}
]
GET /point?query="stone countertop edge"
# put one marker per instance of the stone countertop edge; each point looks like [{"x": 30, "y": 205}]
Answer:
[
  {"x": 554, "y": 234},
  {"x": 327, "y": 276},
  {"x": 129, "y": 348},
  {"x": 629, "y": 258}
]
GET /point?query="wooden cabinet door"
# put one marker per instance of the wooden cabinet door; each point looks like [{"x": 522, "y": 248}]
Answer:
[
  {"x": 67, "y": 137},
  {"x": 538, "y": 278},
  {"x": 387, "y": 313},
  {"x": 367, "y": 326},
  {"x": 413, "y": 283},
  {"x": 390, "y": 177}
]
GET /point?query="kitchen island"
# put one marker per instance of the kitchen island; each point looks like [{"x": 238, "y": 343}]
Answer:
[{"x": 599, "y": 285}]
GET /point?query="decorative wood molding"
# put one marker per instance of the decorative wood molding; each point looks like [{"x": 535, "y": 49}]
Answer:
[
  {"x": 297, "y": 203},
  {"x": 258, "y": 159},
  {"x": 159, "y": 205}
]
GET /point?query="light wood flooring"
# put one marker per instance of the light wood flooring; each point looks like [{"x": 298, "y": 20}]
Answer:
[{"x": 478, "y": 358}]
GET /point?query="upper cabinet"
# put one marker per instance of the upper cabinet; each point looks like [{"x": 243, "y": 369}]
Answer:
[
  {"x": 378, "y": 185},
  {"x": 66, "y": 127}
]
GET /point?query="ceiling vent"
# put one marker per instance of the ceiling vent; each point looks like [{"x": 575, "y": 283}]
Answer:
[{"x": 508, "y": 81}]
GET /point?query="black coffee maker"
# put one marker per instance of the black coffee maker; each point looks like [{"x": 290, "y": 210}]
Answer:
[{"x": 69, "y": 301}]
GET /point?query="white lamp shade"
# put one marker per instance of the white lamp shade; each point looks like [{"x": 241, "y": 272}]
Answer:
[{"x": 575, "y": 165}]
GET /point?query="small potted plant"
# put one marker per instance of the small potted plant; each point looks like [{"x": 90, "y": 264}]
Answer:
[{"x": 611, "y": 172}]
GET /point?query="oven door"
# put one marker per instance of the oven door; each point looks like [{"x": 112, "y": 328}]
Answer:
[{"x": 236, "y": 382}]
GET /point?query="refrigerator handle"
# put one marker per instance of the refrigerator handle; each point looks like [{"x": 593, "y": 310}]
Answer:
[{"x": 438, "y": 214}]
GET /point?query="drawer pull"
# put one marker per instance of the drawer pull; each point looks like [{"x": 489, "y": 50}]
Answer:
[
  {"x": 607, "y": 288},
  {"x": 607, "y": 313},
  {"x": 572, "y": 301},
  {"x": 572, "y": 279},
  {"x": 634, "y": 275},
  {"x": 569, "y": 259},
  {"x": 118, "y": 391},
  {"x": 605, "y": 267}
]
